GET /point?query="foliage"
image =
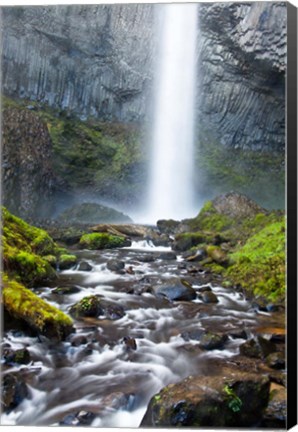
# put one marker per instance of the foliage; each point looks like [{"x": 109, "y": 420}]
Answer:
[
  {"x": 234, "y": 402},
  {"x": 259, "y": 265},
  {"x": 101, "y": 241}
]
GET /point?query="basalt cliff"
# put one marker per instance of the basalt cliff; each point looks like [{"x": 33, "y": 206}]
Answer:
[{"x": 98, "y": 62}]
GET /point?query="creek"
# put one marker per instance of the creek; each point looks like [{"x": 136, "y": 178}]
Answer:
[{"x": 121, "y": 362}]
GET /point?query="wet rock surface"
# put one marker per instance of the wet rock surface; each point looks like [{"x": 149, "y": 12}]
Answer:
[{"x": 210, "y": 401}]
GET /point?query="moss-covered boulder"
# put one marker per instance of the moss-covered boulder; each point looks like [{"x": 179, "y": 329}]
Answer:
[
  {"x": 229, "y": 399},
  {"x": 24, "y": 249},
  {"x": 44, "y": 318},
  {"x": 95, "y": 241},
  {"x": 94, "y": 306},
  {"x": 66, "y": 261}
]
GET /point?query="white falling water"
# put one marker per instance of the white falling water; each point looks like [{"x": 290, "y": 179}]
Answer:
[{"x": 171, "y": 176}]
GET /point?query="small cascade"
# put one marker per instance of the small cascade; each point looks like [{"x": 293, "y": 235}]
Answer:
[{"x": 171, "y": 171}]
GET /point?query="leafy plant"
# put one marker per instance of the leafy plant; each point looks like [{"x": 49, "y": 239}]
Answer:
[{"x": 234, "y": 402}]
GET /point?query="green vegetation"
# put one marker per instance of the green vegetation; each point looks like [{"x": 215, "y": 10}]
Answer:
[
  {"x": 28, "y": 255},
  {"x": 23, "y": 304},
  {"x": 249, "y": 251},
  {"x": 210, "y": 220},
  {"x": 259, "y": 266},
  {"x": 234, "y": 402},
  {"x": 259, "y": 174},
  {"x": 106, "y": 157},
  {"x": 23, "y": 249},
  {"x": 101, "y": 241}
]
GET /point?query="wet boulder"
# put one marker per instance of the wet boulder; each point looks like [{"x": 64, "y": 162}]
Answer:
[
  {"x": 84, "y": 266},
  {"x": 96, "y": 241},
  {"x": 115, "y": 265},
  {"x": 14, "y": 390},
  {"x": 257, "y": 347},
  {"x": 87, "y": 307},
  {"x": 67, "y": 261},
  {"x": 19, "y": 356},
  {"x": 229, "y": 399},
  {"x": 175, "y": 289},
  {"x": 94, "y": 306},
  {"x": 210, "y": 341},
  {"x": 208, "y": 297},
  {"x": 64, "y": 290},
  {"x": 167, "y": 256},
  {"x": 276, "y": 360}
]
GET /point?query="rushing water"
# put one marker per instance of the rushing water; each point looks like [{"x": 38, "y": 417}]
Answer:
[
  {"x": 171, "y": 178},
  {"x": 102, "y": 375}
]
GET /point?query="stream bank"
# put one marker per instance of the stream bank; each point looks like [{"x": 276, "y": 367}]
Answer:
[{"x": 147, "y": 316}]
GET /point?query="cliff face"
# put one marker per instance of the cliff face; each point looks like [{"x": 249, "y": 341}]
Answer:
[
  {"x": 242, "y": 74},
  {"x": 27, "y": 175},
  {"x": 98, "y": 60},
  {"x": 91, "y": 60}
]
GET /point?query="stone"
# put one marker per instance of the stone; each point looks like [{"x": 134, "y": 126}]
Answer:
[
  {"x": 67, "y": 261},
  {"x": 87, "y": 307},
  {"x": 84, "y": 266},
  {"x": 167, "y": 256},
  {"x": 175, "y": 289},
  {"x": 210, "y": 341},
  {"x": 130, "y": 343},
  {"x": 115, "y": 265},
  {"x": 257, "y": 347},
  {"x": 14, "y": 390},
  {"x": 65, "y": 290},
  {"x": 276, "y": 360},
  {"x": 209, "y": 297},
  {"x": 228, "y": 399},
  {"x": 199, "y": 255}
]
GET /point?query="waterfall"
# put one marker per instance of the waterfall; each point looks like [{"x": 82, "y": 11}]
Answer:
[{"x": 171, "y": 173}]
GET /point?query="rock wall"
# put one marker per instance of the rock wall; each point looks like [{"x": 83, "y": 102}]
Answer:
[
  {"x": 241, "y": 79},
  {"x": 91, "y": 60},
  {"x": 27, "y": 175},
  {"x": 98, "y": 60}
]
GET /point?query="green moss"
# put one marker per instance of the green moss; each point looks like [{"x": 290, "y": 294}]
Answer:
[
  {"x": 67, "y": 261},
  {"x": 101, "y": 241},
  {"x": 209, "y": 219},
  {"x": 87, "y": 307},
  {"x": 259, "y": 265},
  {"x": 23, "y": 246},
  {"x": 23, "y": 304}
]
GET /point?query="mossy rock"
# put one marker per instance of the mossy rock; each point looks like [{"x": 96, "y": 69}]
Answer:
[
  {"x": 24, "y": 249},
  {"x": 96, "y": 241},
  {"x": 23, "y": 304},
  {"x": 188, "y": 240},
  {"x": 234, "y": 399},
  {"x": 66, "y": 261},
  {"x": 87, "y": 307}
]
